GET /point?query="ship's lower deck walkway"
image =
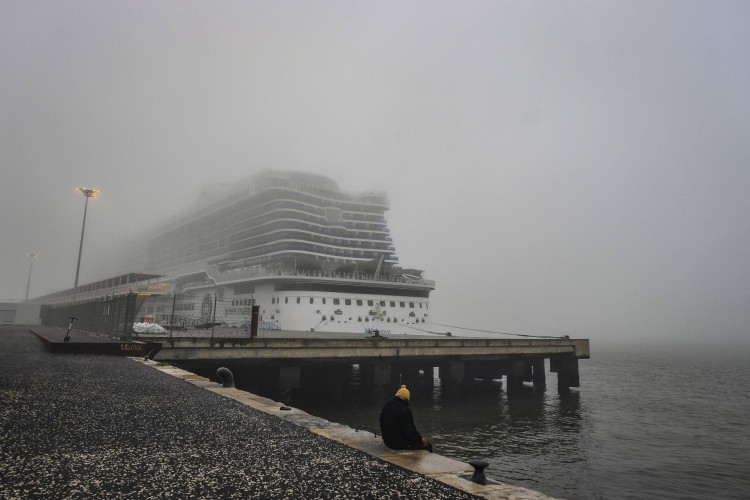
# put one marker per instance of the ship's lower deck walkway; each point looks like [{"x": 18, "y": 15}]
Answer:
[{"x": 78, "y": 425}]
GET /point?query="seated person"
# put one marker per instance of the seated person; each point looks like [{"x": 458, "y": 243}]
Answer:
[{"x": 397, "y": 424}]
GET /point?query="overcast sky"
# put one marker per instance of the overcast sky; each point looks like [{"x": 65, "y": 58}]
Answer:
[{"x": 574, "y": 168}]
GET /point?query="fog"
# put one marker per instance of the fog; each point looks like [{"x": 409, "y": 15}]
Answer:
[{"x": 574, "y": 168}]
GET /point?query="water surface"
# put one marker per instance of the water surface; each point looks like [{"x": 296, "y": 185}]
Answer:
[{"x": 655, "y": 422}]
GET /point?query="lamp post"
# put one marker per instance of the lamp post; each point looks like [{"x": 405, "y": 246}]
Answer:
[
  {"x": 88, "y": 193},
  {"x": 33, "y": 256}
]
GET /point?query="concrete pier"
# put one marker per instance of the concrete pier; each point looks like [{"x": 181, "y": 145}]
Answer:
[
  {"x": 308, "y": 346},
  {"x": 78, "y": 425},
  {"x": 384, "y": 361}
]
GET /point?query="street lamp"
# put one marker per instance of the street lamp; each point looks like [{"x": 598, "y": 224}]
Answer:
[
  {"x": 33, "y": 256},
  {"x": 88, "y": 193}
]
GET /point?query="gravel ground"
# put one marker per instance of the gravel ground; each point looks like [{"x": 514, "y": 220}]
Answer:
[{"x": 105, "y": 426}]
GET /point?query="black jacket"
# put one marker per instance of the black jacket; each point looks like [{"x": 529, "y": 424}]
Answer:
[{"x": 397, "y": 426}]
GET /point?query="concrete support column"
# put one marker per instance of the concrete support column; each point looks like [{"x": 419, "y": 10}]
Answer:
[
  {"x": 410, "y": 376},
  {"x": 538, "y": 373},
  {"x": 515, "y": 375},
  {"x": 376, "y": 374},
  {"x": 485, "y": 370},
  {"x": 567, "y": 372},
  {"x": 453, "y": 371},
  {"x": 395, "y": 376},
  {"x": 528, "y": 371},
  {"x": 451, "y": 374},
  {"x": 562, "y": 381},
  {"x": 428, "y": 379}
]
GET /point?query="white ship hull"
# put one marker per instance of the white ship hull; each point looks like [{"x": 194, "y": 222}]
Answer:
[{"x": 316, "y": 311}]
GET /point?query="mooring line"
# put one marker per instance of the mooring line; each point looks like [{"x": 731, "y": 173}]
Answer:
[{"x": 500, "y": 333}]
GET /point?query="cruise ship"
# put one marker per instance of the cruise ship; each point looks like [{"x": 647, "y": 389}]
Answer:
[{"x": 313, "y": 257}]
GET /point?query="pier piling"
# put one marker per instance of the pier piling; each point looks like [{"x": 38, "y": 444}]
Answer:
[
  {"x": 567, "y": 372},
  {"x": 539, "y": 377}
]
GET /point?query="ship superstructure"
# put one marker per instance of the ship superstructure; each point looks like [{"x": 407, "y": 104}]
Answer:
[
  {"x": 280, "y": 219},
  {"x": 312, "y": 256}
]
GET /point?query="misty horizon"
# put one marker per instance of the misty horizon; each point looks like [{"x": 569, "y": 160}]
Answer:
[{"x": 557, "y": 169}]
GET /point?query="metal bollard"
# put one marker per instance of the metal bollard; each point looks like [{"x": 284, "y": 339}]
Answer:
[
  {"x": 479, "y": 466},
  {"x": 226, "y": 376}
]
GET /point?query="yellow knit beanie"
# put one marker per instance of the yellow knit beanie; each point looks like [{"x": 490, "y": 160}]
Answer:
[{"x": 403, "y": 393}]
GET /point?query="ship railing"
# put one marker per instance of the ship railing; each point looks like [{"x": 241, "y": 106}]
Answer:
[
  {"x": 260, "y": 272},
  {"x": 368, "y": 197}
]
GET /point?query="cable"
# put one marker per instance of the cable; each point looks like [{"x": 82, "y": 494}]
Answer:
[
  {"x": 423, "y": 331},
  {"x": 499, "y": 333}
]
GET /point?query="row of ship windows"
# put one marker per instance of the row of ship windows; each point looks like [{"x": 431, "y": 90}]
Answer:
[
  {"x": 336, "y": 302},
  {"x": 359, "y": 302},
  {"x": 243, "y": 302},
  {"x": 367, "y": 319}
]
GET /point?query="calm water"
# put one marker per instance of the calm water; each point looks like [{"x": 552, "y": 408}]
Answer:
[{"x": 658, "y": 423}]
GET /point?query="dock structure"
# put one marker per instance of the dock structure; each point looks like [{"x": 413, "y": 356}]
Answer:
[
  {"x": 93, "y": 426},
  {"x": 388, "y": 360}
]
